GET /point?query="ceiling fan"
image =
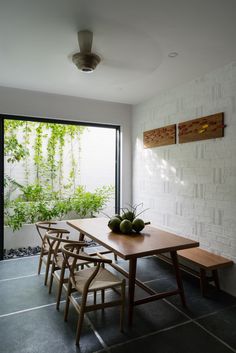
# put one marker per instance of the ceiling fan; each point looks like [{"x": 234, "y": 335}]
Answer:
[{"x": 85, "y": 60}]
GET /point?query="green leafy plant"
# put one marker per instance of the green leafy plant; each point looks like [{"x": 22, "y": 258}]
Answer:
[
  {"x": 14, "y": 150},
  {"x": 88, "y": 203},
  {"x": 35, "y": 205}
]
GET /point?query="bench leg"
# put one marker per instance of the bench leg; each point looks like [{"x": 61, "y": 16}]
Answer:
[
  {"x": 203, "y": 281},
  {"x": 216, "y": 279}
]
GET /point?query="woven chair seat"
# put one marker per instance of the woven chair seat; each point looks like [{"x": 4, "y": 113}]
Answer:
[{"x": 103, "y": 280}]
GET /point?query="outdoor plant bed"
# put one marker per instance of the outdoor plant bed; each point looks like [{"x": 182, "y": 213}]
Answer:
[{"x": 35, "y": 204}]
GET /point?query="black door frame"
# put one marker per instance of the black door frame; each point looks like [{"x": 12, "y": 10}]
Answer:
[{"x": 56, "y": 121}]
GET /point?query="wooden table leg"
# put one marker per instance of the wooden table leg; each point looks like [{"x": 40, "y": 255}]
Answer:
[
  {"x": 175, "y": 261},
  {"x": 132, "y": 276}
]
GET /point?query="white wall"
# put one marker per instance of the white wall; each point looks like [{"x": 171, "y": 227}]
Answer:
[
  {"x": 100, "y": 145},
  {"x": 37, "y": 104},
  {"x": 191, "y": 188}
]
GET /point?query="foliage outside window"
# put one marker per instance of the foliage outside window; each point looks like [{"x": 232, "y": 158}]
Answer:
[{"x": 47, "y": 192}]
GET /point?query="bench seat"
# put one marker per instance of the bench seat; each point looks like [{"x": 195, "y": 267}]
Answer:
[{"x": 204, "y": 259}]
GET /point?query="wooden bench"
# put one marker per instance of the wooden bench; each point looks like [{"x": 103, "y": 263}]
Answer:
[{"x": 205, "y": 261}]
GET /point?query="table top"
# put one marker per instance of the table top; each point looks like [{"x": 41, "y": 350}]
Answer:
[{"x": 150, "y": 241}]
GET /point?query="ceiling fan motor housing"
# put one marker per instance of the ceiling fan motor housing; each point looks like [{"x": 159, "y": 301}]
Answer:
[{"x": 86, "y": 62}]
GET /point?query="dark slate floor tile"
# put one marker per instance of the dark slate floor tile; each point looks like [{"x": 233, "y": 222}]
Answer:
[
  {"x": 24, "y": 293},
  {"x": 223, "y": 325},
  {"x": 147, "y": 318},
  {"x": 94, "y": 249},
  {"x": 197, "y": 305},
  {"x": 183, "y": 339},
  {"x": 149, "y": 268},
  {"x": 19, "y": 267},
  {"x": 44, "y": 330}
]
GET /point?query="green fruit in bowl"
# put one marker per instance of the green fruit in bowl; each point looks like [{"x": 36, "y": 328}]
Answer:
[
  {"x": 128, "y": 221},
  {"x": 126, "y": 226},
  {"x": 138, "y": 225},
  {"x": 114, "y": 224}
]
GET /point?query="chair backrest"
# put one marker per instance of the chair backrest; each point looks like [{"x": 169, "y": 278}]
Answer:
[
  {"x": 43, "y": 226},
  {"x": 56, "y": 237},
  {"x": 73, "y": 251},
  {"x": 53, "y": 237}
]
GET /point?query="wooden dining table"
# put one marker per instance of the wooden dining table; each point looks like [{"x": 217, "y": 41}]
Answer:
[{"x": 130, "y": 247}]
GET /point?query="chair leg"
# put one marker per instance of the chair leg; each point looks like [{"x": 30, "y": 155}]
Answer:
[
  {"x": 68, "y": 300},
  {"x": 103, "y": 297},
  {"x": 122, "y": 308},
  {"x": 51, "y": 278},
  {"x": 95, "y": 298},
  {"x": 81, "y": 319},
  {"x": 47, "y": 268},
  {"x": 40, "y": 260},
  {"x": 60, "y": 287}
]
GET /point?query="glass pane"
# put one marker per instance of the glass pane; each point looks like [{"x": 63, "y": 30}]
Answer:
[{"x": 55, "y": 171}]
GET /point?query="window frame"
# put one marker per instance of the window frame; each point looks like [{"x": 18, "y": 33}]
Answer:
[{"x": 56, "y": 121}]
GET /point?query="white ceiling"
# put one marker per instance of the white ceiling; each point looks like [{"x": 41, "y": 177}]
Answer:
[{"x": 133, "y": 37}]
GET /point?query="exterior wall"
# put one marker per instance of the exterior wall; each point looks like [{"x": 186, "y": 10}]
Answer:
[
  {"x": 28, "y": 236},
  {"x": 190, "y": 188},
  {"x": 28, "y": 103}
]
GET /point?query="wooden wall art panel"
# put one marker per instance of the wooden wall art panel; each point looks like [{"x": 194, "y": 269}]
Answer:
[
  {"x": 160, "y": 137},
  {"x": 208, "y": 127}
]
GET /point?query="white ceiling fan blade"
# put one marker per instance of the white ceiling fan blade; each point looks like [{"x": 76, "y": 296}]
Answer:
[
  {"x": 85, "y": 39},
  {"x": 134, "y": 66}
]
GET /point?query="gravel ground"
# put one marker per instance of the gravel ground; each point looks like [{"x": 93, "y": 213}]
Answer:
[{"x": 29, "y": 251}]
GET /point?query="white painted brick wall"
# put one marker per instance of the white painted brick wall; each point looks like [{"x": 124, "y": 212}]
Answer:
[{"x": 191, "y": 188}]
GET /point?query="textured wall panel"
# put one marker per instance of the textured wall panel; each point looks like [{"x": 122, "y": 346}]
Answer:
[
  {"x": 162, "y": 136},
  {"x": 208, "y": 127}
]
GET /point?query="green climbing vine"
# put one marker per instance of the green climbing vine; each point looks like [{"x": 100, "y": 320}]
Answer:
[
  {"x": 38, "y": 154},
  {"x": 14, "y": 150},
  {"x": 51, "y": 153},
  {"x": 26, "y": 136},
  {"x": 61, "y": 136}
]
